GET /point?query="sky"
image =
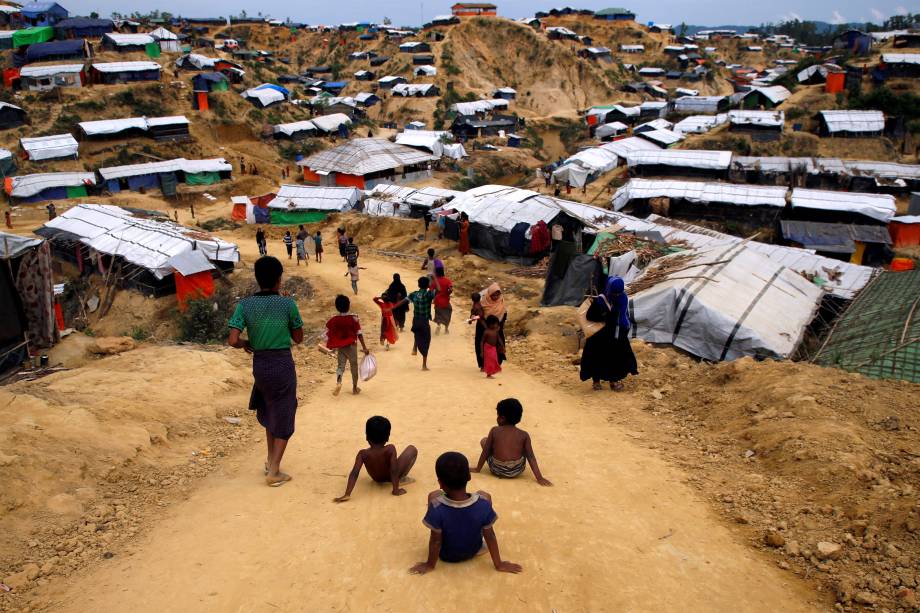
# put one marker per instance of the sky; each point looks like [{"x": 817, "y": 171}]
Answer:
[{"x": 695, "y": 12}]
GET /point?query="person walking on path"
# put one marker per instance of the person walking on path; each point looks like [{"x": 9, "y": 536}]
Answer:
[
  {"x": 52, "y": 211},
  {"x": 421, "y": 318},
  {"x": 272, "y": 322},
  {"x": 388, "y": 332},
  {"x": 351, "y": 259},
  {"x": 478, "y": 318},
  {"x": 607, "y": 355},
  {"x": 493, "y": 303},
  {"x": 464, "y": 244},
  {"x": 8, "y": 217},
  {"x": 318, "y": 243},
  {"x": 343, "y": 241},
  {"x": 398, "y": 293},
  {"x": 302, "y": 237},
  {"x": 260, "y": 241},
  {"x": 442, "y": 306},
  {"x": 289, "y": 245}
]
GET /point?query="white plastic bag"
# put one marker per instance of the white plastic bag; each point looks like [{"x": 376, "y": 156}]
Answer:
[{"x": 368, "y": 367}]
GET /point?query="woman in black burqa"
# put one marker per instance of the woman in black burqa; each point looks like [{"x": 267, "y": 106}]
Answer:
[
  {"x": 607, "y": 355},
  {"x": 396, "y": 292}
]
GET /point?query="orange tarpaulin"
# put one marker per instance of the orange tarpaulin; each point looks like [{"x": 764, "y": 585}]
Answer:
[
  {"x": 202, "y": 101},
  {"x": 344, "y": 180},
  {"x": 834, "y": 83},
  {"x": 239, "y": 211},
  {"x": 904, "y": 234},
  {"x": 193, "y": 287}
]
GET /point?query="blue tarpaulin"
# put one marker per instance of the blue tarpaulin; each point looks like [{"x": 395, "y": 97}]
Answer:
[
  {"x": 151, "y": 181},
  {"x": 58, "y": 49},
  {"x": 261, "y": 215},
  {"x": 77, "y": 27}
]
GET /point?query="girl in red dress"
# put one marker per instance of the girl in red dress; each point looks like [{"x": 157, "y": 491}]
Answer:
[{"x": 388, "y": 331}]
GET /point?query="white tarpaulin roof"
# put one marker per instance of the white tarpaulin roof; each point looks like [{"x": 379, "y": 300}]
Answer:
[
  {"x": 12, "y": 245},
  {"x": 50, "y": 147},
  {"x": 774, "y": 93},
  {"x": 427, "y": 139},
  {"x": 685, "y": 158},
  {"x": 48, "y": 70},
  {"x": 880, "y": 207},
  {"x": 411, "y": 89},
  {"x": 309, "y": 198},
  {"x": 426, "y": 70},
  {"x": 807, "y": 73},
  {"x": 190, "y": 263},
  {"x": 700, "y": 124},
  {"x": 163, "y": 34},
  {"x": 901, "y": 58},
  {"x": 698, "y": 104},
  {"x": 663, "y": 137},
  {"x": 425, "y": 197},
  {"x": 114, "y": 126},
  {"x": 127, "y": 40},
  {"x": 176, "y": 165},
  {"x": 148, "y": 243},
  {"x": 294, "y": 127},
  {"x": 331, "y": 123},
  {"x": 265, "y": 95},
  {"x": 126, "y": 66},
  {"x": 199, "y": 61},
  {"x": 737, "y": 303},
  {"x": 702, "y": 193},
  {"x": 362, "y": 156},
  {"x": 479, "y": 106},
  {"x": 610, "y": 129},
  {"x": 854, "y": 121},
  {"x": 757, "y": 118},
  {"x": 844, "y": 283},
  {"x": 29, "y": 185}
]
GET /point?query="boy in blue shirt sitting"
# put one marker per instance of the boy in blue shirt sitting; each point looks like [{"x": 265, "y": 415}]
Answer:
[{"x": 459, "y": 521}]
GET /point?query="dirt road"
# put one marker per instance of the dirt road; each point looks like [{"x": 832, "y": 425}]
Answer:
[{"x": 618, "y": 532}]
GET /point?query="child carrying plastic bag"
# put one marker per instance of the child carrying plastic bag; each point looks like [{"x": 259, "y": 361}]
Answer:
[{"x": 368, "y": 367}]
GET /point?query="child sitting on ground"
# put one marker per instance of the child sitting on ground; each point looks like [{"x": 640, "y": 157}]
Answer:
[
  {"x": 459, "y": 522},
  {"x": 380, "y": 460},
  {"x": 508, "y": 448},
  {"x": 492, "y": 346},
  {"x": 388, "y": 333},
  {"x": 343, "y": 332}
]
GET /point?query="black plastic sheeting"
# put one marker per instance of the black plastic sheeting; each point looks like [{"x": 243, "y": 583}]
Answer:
[{"x": 570, "y": 277}]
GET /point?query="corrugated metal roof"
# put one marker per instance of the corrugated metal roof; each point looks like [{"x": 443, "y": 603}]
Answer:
[
  {"x": 854, "y": 121},
  {"x": 757, "y": 118},
  {"x": 49, "y": 70}
]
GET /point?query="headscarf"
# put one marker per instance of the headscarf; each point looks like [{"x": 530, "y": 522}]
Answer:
[
  {"x": 492, "y": 306},
  {"x": 397, "y": 290},
  {"x": 615, "y": 292}
]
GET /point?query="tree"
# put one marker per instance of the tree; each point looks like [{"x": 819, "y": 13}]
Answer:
[
  {"x": 95, "y": 15},
  {"x": 387, "y": 21},
  {"x": 682, "y": 29}
]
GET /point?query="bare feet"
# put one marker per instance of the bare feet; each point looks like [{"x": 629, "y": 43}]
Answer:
[
  {"x": 356, "y": 391},
  {"x": 277, "y": 480},
  {"x": 616, "y": 386},
  {"x": 425, "y": 368},
  {"x": 338, "y": 388}
]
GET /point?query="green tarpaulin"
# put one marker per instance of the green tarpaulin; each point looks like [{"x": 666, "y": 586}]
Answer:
[
  {"x": 168, "y": 182},
  {"x": 294, "y": 218},
  {"x": 153, "y": 50},
  {"x": 77, "y": 191},
  {"x": 220, "y": 86},
  {"x": 7, "y": 166},
  {"x": 30, "y": 36},
  {"x": 202, "y": 178}
]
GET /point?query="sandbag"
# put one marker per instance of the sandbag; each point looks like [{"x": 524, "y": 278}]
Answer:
[{"x": 368, "y": 367}]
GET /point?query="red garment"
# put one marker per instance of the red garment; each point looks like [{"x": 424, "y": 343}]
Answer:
[
  {"x": 442, "y": 298},
  {"x": 539, "y": 238},
  {"x": 342, "y": 331},
  {"x": 388, "y": 331},
  {"x": 491, "y": 365},
  {"x": 464, "y": 246}
]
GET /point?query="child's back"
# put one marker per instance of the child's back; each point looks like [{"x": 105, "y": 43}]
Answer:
[
  {"x": 508, "y": 442},
  {"x": 378, "y": 461},
  {"x": 460, "y": 523}
]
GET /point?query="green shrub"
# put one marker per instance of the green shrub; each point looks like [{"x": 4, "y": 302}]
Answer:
[
  {"x": 205, "y": 320},
  {"x": 139, "y": 333}
]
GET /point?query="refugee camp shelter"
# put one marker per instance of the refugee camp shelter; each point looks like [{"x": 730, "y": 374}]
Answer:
[
  {"x": 26, "y": 299},
  {"x": 761, "y": 125},
  {"x": 841, "y": 207},
  {"x": 879, "y": 333},
  {"x": 302, "y": 204},
  {"x": 905, "y": 230},
  {"x": 364, "y": 162},
  {"x": 691, "y": 105},
  {"x": 680, "y": 162},
  {"x": 11, "y": 116},
  {"x": 851, "y": 123},
  {"x": 416, "y": 90},
  {"x": 111, "y": 73},
  {"x": 158, "y": 128},
  {"x": 266, "y": 95},
  {"x": 49, "y": 186},
  {"x": 83, "y": 27},
  {"x": 736, "y": 303},
  {"x": 386, "y": 200},
  {"x": 474, "y": 9},
  {"x": 32, "y": 36},
  {"x": 165, "y": 175},
  {"x": 905, "y": 65},
  {"x": 765, "y": 98},
  {"x": 125, "y": 43},
  {"x": 610, "y": 131},
  {"x": 136, "y": 246},
  {"x": 57, "y": 50},
  {"x": 168, "y": 41},
  {"x": 46, "y": 77},
  {"x": 753, "y": 206},
  {"x": 854, "y": 41},
  {"x": 700, "y": 124},
  {"x": 856, "y": 243},
  {"x": 589, "y": 164},
  {"x": 193, "y": 275},
  {"x": 505, "y": 93},
  {"x": 60, "y": 146},
  {"x": 7, "y": 165},
  {"x": 38, "y": 14},
  {"x": 615, "y": 14}
]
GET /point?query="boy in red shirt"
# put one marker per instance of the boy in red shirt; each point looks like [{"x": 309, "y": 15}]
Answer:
[{"x": 343, "y": 332}]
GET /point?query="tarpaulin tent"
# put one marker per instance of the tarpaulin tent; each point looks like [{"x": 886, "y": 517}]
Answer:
[
  {"x": 296, "y": 204},
  {"x": 905, "y": 230},
  {"x": 50, "y": 186},
  {"x": 56, "y": 50},
  {"x": 193, "y": 276},
  {"x": 7, "y": 165},
  {"x": 80, "y": 27},
  {"x": 50, "y": 147},
  {"x": 30, "y": 36}
]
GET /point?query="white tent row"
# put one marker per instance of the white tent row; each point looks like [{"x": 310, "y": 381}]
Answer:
[
  {"x": 426, "y": 70},
  {"x": 49, "y": 70},
  {"x": 146, "y": 242},
  {"x": 610, "y": 129},
  {"x": 770, "y": 119},
  {"x": 700, "y": 193},
  {"x": 323, "y": 123},
  {"x": 127, "y": 40},
  {"x": 662, "y": 137},
  {"x": 113, "y": 126},
  {"x": 596, "y": 161},
  {"x": 736, "y": 302},
  {"x": 432, "y": 140},
  {"x": 176, "y": 165},
  {"x": 479, "y": 106},
  {"x": 842, "y": 278},
  {"x": 854, "y": 121},
  {"x": 700, "y": 124},
  {"x": 424, "y": 197},
  {"x": 881, "y": 207},
  {"x": 686, "y": 158},
  {"x": 698, "y": 104},
  {"x": 50, "y": 147},
  {"x": 901, "y": 58},
  {"x": 138, "y": 66},
  {"x": 24, "y": 186},
  {"x": 412, "y": 89},
  {"x": 311, "y": 198}
]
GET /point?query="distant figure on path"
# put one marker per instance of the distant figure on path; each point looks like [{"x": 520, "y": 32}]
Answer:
[
  {"x": 288, "y": 241},
  {"x": 464, "y": 245},
  {"x": 52, "y": 211},
  {"x": 493, "y": 303},
  {"x": 397, "y": 293},
  {"x": 8, "y": 217},
  {"x": 260, "y": 241},
  {"x": 343, "y": 333},
  {"x": 272, "y": 323},
  {"x": 388, "y": 332},
  {"x": 318, "y": 242},
  {"x": 607, "y": 355},
  {"x": 302, "y": 237},
  {"x": 492, "y": 347},
  {"x": 343, "y": 241},
  {"x": 442, "y": 307},
  {"x": 478, "y": 317}
]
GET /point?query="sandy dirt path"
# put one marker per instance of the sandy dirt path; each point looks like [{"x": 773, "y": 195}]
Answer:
[{"x": 618, "y": 532}]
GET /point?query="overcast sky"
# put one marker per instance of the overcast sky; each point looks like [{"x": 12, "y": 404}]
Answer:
[{"x": 697, "y": 12}]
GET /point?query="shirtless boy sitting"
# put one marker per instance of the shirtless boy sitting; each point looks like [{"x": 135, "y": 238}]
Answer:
[
  {"x": 380, "y": 460},
  {"x": 508, "y": 449}
]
